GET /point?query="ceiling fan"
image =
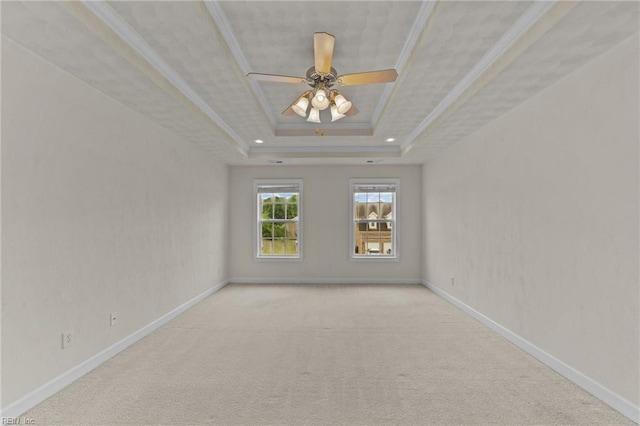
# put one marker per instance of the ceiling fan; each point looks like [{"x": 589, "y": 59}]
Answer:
[{"x": 322, "y": 77}]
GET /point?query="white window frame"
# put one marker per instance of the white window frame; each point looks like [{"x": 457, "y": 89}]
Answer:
[
  {"x": 355, "y": 183},
  {"x": 257, "y": 239}
]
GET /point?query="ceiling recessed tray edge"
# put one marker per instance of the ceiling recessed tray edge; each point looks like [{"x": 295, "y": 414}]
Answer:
[{"x": 325, "y": 152}]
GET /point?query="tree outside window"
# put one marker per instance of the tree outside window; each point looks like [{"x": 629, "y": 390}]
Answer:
[{"x": 279, "y": 219}]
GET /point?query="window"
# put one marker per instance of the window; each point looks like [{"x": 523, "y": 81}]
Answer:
[
  {"x": 279, "y": 219},
  {"x": 373, "y": 213}
]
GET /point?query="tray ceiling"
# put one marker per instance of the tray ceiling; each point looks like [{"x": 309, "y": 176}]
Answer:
[{"x": 183, "y": 65}]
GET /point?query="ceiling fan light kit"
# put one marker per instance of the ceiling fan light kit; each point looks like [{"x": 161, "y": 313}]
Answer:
[
  {"x": 321, "y": 77},
  {"x": 341, "y": 103},
  {"x": 302, "y": 103},
  {"x": 320, "y": 100},
  {"x": 335, "y": 114},
  {"x": 314, "y": 115}
]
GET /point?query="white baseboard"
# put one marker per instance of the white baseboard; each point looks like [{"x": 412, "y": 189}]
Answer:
[
  {"x": 617, "y": 402},
  {"x": 299, "y": 280},
  {"x": 45, "y": 391}
]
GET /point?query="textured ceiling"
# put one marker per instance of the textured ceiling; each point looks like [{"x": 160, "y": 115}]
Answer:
[{"x": 183, "y": 65}]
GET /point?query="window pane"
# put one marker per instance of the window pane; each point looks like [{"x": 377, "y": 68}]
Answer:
[
  {"x": 292, "y": 246},
  {"x": 267, "y": 230},
  {"x": 267, "y": 210},
  {"x": 278, "y": 230},
  {"x": 278, "y": 209},
  {"x": 278, "y": 246},
  {"x": 291, "y": 230},
  {"x": 359, "y": 239},
  {"x": 292, "y": 209},
  {"x": 267, "y": 246},
  {"x": 386, "y": 197},
  {"x": 360, "y": 209}
]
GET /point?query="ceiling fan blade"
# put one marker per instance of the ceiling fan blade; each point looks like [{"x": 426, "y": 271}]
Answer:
[
  {"x": 274, "y": 78},
  {"x": 371, "y": 77},
  {"x": 352, "y": 111},
  {"x": 323, "y": 52}
]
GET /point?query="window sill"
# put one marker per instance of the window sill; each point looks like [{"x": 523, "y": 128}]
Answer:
[
  {"x": 374, "y": 259},
  {"x": 277, "y": 259}
]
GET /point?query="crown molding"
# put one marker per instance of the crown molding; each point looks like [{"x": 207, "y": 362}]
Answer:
[
  {"x": 407, "y": 50},
  {"x": 325, "y": 151},
  {"x": 323, "y": 132},
  {"x": 517, "y": 31},
  {"x": 334, "y": 129},
  {"x": 127, "y": 34},
  {"x": 218, "y": 16}
]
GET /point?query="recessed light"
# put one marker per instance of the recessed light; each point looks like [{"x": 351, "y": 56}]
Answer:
[
  {"x": 259, "y": 141},
  {"x": 390, "y": 139}
]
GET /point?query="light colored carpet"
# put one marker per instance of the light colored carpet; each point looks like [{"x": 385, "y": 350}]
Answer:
[{"x": 323, "y": 354}]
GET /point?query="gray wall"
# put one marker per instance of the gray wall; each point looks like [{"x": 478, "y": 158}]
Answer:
[
  {"x": 102, "y": 211},
  {"x": 325, "y": 225},
  {"x": 536, "y": 217}
]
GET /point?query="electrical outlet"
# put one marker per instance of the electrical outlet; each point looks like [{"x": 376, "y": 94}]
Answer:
[
  {"x": 113, "y": 319},
  {"x": 67, "y": 339},
  {"x": 453, "y": 280}
]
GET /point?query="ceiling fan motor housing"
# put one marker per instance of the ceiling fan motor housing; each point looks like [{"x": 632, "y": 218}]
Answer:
[{"x": 314, "y": 78}]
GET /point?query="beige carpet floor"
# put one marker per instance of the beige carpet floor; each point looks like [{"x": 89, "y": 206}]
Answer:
[{"x": 323, "y": 354}]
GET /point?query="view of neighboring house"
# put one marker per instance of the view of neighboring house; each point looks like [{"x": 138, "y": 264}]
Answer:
[{"x": 373, "y": 230}]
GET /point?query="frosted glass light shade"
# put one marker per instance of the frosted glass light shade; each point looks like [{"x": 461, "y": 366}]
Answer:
[
  {"x": 320, "y": 100},
  {"x": 342, "y": 104},
  {"x": 314, "y": 115},
  {"x": 301, "y": 106},
  {"x": 335, "y": 115}
]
